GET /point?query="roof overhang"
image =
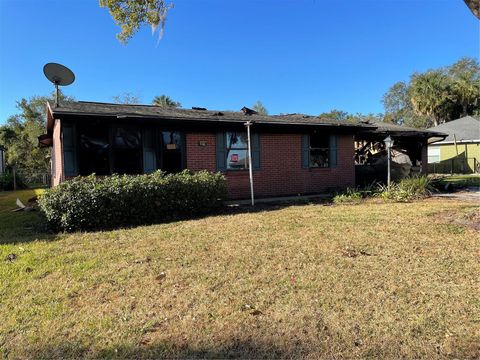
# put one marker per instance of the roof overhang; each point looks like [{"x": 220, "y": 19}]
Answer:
[{"x": 215, "y": 122}]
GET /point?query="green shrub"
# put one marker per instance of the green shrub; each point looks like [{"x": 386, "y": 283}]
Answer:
[
  {"x": 348, "y": 196},
  {"x": 91, "y": 203},
  {"x": 355, "y": 195},
  {"x": 406, "y": 190}
]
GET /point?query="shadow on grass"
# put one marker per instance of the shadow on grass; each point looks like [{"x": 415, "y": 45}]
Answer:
[
  {"x": 235, "y": 349},
  {"x": 24, "y": 227}
]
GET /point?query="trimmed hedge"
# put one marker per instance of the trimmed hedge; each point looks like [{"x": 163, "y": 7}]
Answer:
[{"x": 91, "y": 203}]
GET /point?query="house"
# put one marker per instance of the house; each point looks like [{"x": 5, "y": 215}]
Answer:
[
  {"x": 459, "y": 152},
  {"x": 291, "y": 154}
]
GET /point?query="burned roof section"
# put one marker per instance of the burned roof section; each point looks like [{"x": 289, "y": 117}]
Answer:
[
  {"x": 201, "y": 115},
  {"x": 83, "y": 108}
]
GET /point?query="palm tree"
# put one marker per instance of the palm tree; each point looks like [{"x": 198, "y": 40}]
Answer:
[
  {"x": 429, "y": 94},
  {"x": 165, "y": 102},
  {"x": 467, "y": 92}
]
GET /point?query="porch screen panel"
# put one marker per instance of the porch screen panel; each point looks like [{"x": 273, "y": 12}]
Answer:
[
  {"x": 221, "y": 152},
  {"x": 172, "y": 151},
  {"x": 333, "y": 150},
  {"x": 127, "y": 151},
  {"x": 69, "y": 153},
  {"x": 305, "y": 151},
  {"x": 149, "y": 154},
  {"x": 94, "y": 149}
]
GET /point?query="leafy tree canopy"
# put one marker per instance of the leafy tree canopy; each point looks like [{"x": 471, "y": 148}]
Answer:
[
  {"x": 259, "y": 108},
  {"x": 435, "y": 96},
  {"x": 165, "y": 101},
  {"x": 20, "y": 136},
  {"x": 130, "y": 15},
  {"x": 340, "y": 115},
  {"x": 127, "y": 99}
]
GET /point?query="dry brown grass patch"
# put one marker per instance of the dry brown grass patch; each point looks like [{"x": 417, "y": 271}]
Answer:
[{"x": 291, "y": 282}]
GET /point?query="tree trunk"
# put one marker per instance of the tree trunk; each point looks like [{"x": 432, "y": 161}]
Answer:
[{"x": 465, "y": 108}]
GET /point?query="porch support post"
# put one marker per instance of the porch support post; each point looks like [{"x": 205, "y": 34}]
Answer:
[{"x": 250, "y": 169}]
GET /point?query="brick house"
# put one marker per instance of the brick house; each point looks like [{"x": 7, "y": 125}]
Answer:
[{"x": 291, "y": 154}]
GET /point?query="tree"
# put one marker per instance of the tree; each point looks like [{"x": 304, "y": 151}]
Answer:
[
  {"x": 399, "y": 108},
  {"x": 130, "y": 15},
  {"x": 474, "y": 6},
  {"x": 127, "y": 99},
  {"x": 334, "y": 114},
  {"x": 431, "y": 95},
  {"x": 435, "y": 96},
  {"x": 259, "y": 108},
  {"x": 165, "y": 102},
  {"x": 20, "y": 137},
  {"x": 465, "y": 75}
]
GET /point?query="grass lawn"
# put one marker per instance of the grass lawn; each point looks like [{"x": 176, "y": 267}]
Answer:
[
  {"x": 373, "y": 280},
  {"x": 472, "y": 180}
]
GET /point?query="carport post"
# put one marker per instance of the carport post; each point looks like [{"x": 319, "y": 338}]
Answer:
[
  {"x": 388, "y": 144},
  {"x": 250, "y": 170}
]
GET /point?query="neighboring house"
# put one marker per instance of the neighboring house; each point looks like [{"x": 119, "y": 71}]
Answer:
[
  {"x": 291, "y": 154},
  {"x": 459, "y": 152},
  {"x": 2, "y": 160}
]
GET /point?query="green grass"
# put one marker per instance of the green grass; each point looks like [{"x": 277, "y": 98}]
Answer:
[
  {"x": 20, "y": 226},
  {"x": 462, "y": 180},
  {"x": 376, "y": 280}
]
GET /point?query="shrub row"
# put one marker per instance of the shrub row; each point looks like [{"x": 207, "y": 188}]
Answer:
[
  {"x": 91, "y": 203},
  {"x": 407, "y": 189}
]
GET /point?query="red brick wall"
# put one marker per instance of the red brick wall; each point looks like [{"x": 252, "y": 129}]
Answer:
[
  {"x": 57, "y": 155},
  {"x": 201, "y": 157},
  {"x": 281, "y": 171}
]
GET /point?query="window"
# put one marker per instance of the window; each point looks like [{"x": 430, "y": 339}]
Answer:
[
  {"x": 127, "y": 151},
  {"x": 237, "y": 150},
  {"x": 172, "y": 158},
  {"x": 94, "y": 151},
  {"x": 319, "y": 151}
]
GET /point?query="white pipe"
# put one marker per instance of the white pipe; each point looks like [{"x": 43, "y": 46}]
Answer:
[{"x": 250, "y": 170}]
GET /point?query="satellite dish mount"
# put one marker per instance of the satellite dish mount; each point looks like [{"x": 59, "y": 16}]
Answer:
[{"x": 59, "y": 75}]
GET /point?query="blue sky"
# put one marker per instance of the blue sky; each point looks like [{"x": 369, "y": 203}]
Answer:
[{"x": 305, "y": 56}]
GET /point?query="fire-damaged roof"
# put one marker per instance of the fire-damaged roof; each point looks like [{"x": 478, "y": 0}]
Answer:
[
  {"x": 382, "y": 128},
  {"x": 73, "y": 109},
  {"x": 195, "y": 114}
]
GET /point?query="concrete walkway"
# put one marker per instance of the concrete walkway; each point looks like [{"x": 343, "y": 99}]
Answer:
[{"x": 467, "y": 194}]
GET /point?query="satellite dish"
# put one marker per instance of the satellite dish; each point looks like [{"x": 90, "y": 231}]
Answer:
[{"x": 59, "y": 75}]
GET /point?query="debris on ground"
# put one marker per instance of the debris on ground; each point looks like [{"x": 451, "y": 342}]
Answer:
[
  {"x": 161, "y": 276},
  {"x": 33, "y": 200},
  {"x": 11, "y": 257},
  {"x": 141, "y": 261},
  {"x": 470, "y": 219},
  {"x": 353, "y": 253},
  {"x": 22, "y": 207}
]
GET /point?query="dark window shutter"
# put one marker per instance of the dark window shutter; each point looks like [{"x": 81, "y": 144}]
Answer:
[
  {"x": 333, "y": 151},
  {"x": 221, "y": 152},
  {"x": 69, "y": 153},
  {"x": 255, "y": 151},
  {"x": 305, "y": 151},
  {"x": 149, "y": 155}
]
